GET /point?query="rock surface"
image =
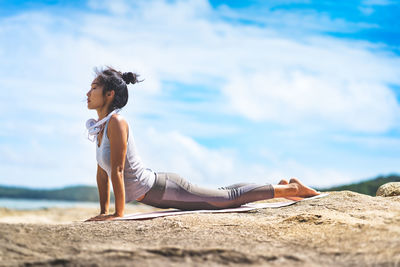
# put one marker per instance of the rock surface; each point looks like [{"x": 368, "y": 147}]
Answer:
[
  {"x": 343, "y": 229},
  {"x": 389, "y": 190}
]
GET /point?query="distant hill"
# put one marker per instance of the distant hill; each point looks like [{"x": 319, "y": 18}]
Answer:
[
  {"x": 367, "y": 187},
  {"x": 72, "y": 193}
]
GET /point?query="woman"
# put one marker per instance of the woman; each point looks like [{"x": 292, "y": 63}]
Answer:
[{"x": 118, "y": 160}]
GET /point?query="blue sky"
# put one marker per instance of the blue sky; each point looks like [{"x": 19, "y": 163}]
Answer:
[{"x": 234, "y": 90}]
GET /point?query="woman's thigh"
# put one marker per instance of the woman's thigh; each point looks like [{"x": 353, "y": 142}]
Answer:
[
  {"x": 172, "y": 191},
  {"x": 179, "y": 189}
]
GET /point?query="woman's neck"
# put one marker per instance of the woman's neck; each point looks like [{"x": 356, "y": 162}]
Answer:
[{"x": 102, "y": 112}]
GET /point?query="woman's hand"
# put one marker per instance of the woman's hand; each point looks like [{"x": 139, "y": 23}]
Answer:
[
  {"x": 103, "y": 217},
  {"x": 97, "y": 218}
]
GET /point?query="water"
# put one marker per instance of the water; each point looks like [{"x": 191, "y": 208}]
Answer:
[{"x": 35, "y": 204}]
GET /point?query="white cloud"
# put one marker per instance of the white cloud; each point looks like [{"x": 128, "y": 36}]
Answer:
[
  {"x": 367, "y": 6},
  {"x": 366, "y": 10},
  {"x": 299, "y": 97},
  {"x": 337, "y": 78},
  {"x": 343, "y": 83},
  {"x": 174, "y": 152},
  {"x": 292, "y": 22},
  {"x": 372, "y": 142},
  {"x": 118, "y": 7}
]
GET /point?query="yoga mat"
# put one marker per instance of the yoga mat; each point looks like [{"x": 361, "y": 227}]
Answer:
[{"x": 243, "y": 208}]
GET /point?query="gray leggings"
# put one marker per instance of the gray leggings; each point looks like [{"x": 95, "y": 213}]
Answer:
[{"x": 172, "y": 191}]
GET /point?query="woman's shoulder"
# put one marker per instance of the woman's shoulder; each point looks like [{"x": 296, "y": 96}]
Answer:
[
  {"x": 117, "y": 122},
  {"x": 117, "y": 118}
]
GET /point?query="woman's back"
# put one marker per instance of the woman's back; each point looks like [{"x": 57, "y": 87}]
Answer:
[{"x": 138, "y": 179}]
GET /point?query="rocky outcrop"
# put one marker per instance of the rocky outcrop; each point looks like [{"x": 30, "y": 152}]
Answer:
[{"x": 389, "y": 190}]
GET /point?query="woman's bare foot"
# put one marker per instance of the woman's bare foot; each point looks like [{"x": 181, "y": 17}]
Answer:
[
  {"x": 294, "y": 190},
  {"x": 285, "y": 182},
  {"x": 303, "y": 191}
]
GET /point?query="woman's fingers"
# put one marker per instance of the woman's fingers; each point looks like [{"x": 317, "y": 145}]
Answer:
[
  {"x": 102, "y": 218},
  {"x": 96, "y": 218}
]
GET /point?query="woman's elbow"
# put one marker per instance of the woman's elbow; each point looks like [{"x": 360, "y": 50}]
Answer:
[{"x": 118, "y": 171}]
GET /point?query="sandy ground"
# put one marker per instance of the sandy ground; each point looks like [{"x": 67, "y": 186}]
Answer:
[{"x": 343, "y": 229}]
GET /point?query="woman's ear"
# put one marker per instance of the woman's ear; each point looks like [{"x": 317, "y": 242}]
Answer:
[{"x": 111, "y": 93}]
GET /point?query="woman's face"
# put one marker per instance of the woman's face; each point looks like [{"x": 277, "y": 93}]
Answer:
[{"x": 95, "y": 96}]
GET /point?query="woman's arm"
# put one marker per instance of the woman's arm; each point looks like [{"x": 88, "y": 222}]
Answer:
[
  {"x": 118, "y": 136},
  {"x": 103, "y": 185},
  {"x": 117, "y": 133}
]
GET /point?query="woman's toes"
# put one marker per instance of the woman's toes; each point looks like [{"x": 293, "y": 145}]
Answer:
[
  {"x": 294, "y": 180},
  {"x": 303, "y": 191},
  {"x": 283, "y": 182}
]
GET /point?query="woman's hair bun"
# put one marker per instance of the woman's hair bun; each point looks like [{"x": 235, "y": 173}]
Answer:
[{"x": 130, "y": 77}]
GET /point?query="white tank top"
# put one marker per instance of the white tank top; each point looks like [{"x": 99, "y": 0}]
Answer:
[{"x": 138, "y": 180}]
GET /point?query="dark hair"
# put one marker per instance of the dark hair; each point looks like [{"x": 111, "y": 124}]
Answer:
[{"x": 112, "y": 79}]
